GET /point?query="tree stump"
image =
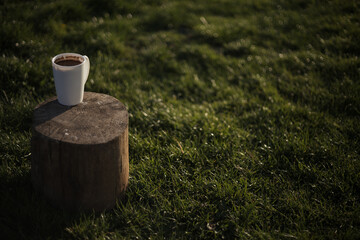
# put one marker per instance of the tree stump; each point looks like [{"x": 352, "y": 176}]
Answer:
[{"x": 80, "y": 154}]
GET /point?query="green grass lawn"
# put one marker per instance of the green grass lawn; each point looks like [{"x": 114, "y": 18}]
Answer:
[{"x": 244, "y": 115}]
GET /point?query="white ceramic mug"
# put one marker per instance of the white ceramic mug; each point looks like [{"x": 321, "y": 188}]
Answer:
[{"x": 71, "y": 71}]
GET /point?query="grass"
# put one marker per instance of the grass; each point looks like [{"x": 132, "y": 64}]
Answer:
[{"x": 244, "y": 115}]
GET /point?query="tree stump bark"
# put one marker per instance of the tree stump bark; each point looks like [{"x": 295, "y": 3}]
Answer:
[{"x": 80, "y": 154}]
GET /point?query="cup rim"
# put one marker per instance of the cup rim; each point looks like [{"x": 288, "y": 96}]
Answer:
[{"x": 68, "y": 54}]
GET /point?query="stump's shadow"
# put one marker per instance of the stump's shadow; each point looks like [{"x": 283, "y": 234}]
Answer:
[{"x": 26, "y": 214}]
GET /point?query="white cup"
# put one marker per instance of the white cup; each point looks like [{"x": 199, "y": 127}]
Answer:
[{"x": 71, "y": 71}]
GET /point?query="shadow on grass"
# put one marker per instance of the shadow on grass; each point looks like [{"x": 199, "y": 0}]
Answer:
[{"x": 25, "y": 214}]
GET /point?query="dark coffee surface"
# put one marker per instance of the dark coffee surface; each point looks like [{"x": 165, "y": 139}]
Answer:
[{"x": 68, "y": 62}]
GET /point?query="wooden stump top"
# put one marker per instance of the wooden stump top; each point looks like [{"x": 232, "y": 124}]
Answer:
[{"x": 83, "y": 123}]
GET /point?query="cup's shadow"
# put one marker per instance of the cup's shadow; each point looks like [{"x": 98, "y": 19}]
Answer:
[{"x": 48, "y": 110}]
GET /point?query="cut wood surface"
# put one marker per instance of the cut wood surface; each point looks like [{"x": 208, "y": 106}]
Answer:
[{"x": 80, "y": 156}]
